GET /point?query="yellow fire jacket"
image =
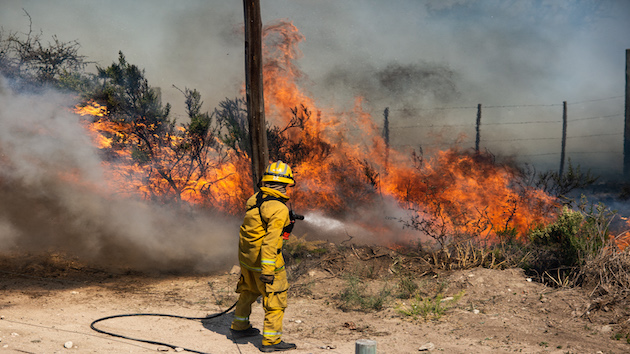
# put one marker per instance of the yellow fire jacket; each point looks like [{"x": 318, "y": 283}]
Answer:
[{"x": 260, "y": 236}]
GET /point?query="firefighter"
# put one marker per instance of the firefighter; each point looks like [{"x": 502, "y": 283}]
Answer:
[{"x": 260, "y": 257}]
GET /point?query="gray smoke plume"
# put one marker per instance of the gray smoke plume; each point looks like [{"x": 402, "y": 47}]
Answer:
[
  {"x": 406, "y": 85},
  {"x": 53, "y": 199}
]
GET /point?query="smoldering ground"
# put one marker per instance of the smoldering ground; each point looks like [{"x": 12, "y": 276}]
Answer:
[{"x": 54, "y": 199}]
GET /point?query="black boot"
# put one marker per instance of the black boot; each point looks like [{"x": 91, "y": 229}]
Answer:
[{"x": 278, "y": 347}]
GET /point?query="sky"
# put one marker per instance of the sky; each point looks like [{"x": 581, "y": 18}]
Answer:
[{"x": 430, "y": 62}]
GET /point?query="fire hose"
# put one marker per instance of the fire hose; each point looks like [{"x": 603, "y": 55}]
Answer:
[
  {"x": 292, "y": 216},
  {"x": 174, "y": 347}
]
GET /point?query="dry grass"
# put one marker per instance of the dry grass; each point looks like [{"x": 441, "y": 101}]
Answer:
[
  {"x": 471, "y": 254},
  {"x": 608, "y": 273}
]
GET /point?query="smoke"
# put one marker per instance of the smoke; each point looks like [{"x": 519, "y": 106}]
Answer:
[
  {"x": 54, "y": 199},
  {"x": 494, "y": 52},
  {"x": 406, "y": 85}
]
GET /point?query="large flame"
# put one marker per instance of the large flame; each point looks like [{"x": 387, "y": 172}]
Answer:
[{"x": 344, "y": 164}]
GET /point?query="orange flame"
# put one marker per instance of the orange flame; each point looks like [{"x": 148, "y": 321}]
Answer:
[{"x": 91, "y": 108}]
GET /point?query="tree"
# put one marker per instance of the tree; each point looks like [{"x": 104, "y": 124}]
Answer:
[
  {"x": 30, "y": 64},
  {"x": 232, "y": 121},
  {"x": 198, "y": 134},
  {"x": 130, "y": 100}
]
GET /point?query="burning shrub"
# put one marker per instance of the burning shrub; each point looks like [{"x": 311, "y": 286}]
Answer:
[
  {"x": 461, "y": 195},
  {"x": 295, "y": 144},
  {"x": 202, "y": 162}
]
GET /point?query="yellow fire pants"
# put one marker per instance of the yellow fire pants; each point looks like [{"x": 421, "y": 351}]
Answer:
[{"x": 274, "y": 302}]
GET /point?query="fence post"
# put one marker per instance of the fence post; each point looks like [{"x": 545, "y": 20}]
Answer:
[
  {"x": 365, "y": 346},
  {"x": 478, "y": 139},
  {"x": 564, "y": 136}
]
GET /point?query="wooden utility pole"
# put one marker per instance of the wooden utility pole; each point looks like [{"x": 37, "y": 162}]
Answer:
[
  {"x": 564, "y": 137},
  {"x": 386, "y": 137},
  {"x": 626, "y": 132},
  {"x": 254, "y": 89},
  {"x": 478, "y": 139}
]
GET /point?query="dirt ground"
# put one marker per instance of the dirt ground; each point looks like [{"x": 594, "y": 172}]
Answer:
[{"x": 47, "y": 307}]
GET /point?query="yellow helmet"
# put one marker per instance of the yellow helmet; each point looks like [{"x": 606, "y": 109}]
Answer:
[{"x": 278, "y": 172}]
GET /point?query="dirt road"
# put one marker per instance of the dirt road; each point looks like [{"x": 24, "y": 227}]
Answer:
[{"x": 43, "y": 310}]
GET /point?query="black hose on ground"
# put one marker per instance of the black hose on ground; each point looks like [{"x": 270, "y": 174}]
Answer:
[{"x": 156, "y": 315}]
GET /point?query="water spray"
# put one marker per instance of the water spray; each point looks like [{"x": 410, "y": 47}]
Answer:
[{"x": 322, "y": 222}]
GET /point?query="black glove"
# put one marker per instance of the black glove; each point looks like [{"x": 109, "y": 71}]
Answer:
[
  {"x": 267, "y": 279},
  {"x": 286, "y": 232},
  {"x": 289, "y": 228}
]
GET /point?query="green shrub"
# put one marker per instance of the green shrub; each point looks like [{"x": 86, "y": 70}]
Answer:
[
  {"x": 356, "y": 296},
  {"x": 576, "y": 235},
  {"x": 429, "y": 308},
  {"x": 562, "y": 236},
  {"x": 406, "y": 287}
]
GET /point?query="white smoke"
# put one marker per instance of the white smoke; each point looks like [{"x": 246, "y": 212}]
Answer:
[{"x": 53, "y": 199}]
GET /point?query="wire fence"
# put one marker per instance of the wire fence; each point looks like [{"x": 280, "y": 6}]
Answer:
[{"x": 595, "y": 140}]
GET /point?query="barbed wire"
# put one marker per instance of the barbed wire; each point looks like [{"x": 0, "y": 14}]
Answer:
[
  {"x": 527, "y": 122},
  {"x": 598, "y": 117},
  {"x": 528, "y": 155},
  {"x": 472, "y": 125},
  {"x": 522, "y": 105},
  {"x": 575, "y": 153},
  {"x": 543, "y": 154},
  {"x": 498, "y": 123},
  {"x": 430, "y": 126},
  {"x": 616, "y": 115},
  {"x": 517, "y": 139},
  {"x": 505, "y": 106},
  {"x": 505, "y": 140},
  {"x": 557, "y": 121},
  {"x": 594, "y": 152},
  {"x": 593, "y": 135},
  {"x": 597, "y": 99}
]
